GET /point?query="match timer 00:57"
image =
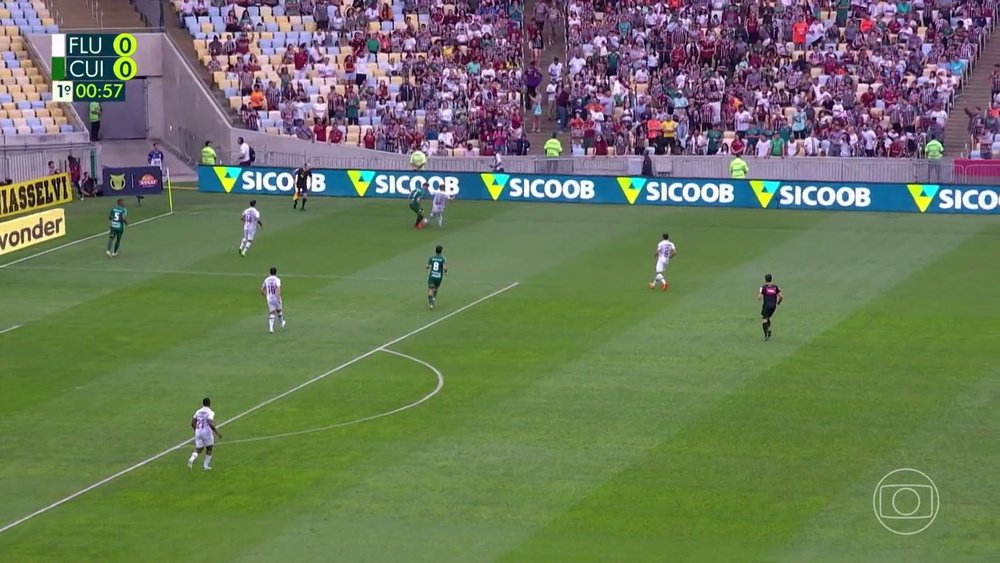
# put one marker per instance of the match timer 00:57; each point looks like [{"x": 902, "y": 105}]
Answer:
[{"x": 90, "y": 67}]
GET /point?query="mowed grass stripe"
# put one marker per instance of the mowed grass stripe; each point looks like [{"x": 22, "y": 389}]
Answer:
[
  {"x": 496, "y": 467},
  {"x": 938, "y": 413},
  {"x": 137, "y": 359},
  {"x": 737, "y": 475}
]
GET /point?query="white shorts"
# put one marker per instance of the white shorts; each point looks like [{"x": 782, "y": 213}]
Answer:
[
  {"x": 437, "y": 210},
  {"x": 204, "y": 439},
  {"x": 661, "y": 265},
  {"x": 273, "y": 305},
  {"x": 249, "y": 233}
]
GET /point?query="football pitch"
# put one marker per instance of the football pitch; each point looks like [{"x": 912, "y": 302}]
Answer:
[{"x": 550, "y": 408}]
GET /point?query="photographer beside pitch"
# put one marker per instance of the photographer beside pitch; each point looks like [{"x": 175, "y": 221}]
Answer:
[{"x": 771, "y": 295}]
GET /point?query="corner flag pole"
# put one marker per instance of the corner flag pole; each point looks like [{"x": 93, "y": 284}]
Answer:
[{"x": 170, "y": 192}]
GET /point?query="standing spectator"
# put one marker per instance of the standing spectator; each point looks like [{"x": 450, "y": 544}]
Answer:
[
  {"x": 155, "y": 156},
  {"x": 995, "y": 81},
  {"x": 95, "y": 121},
  {"x": 553, "y": 147},
  {"x": 244, "y": 158},
  {"x": 208, "y": 154}
]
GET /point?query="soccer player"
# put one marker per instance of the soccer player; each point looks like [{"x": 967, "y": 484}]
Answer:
[
  {"x": 771, "y": 295},
  {"x": 205, "y": 433},
  {"x": 271, "y": 290},
  {"x": 437, "y": 268},
  {"x": 416, "y": 196},
  {"x": 665, "y": 250},
  {"x": 117, "y": 218},
  {"x": 302, "y": 176},
  {"x": 251, "y": 220},
  {"x": 438, "y": 201}
]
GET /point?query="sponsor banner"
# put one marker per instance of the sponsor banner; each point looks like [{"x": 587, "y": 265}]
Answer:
[
  {"x": 36, "y": 194},
  {"x": 624, "y": 190},
  {"x": 134, "y": 180},
  {"x": 31, "y": 230}
]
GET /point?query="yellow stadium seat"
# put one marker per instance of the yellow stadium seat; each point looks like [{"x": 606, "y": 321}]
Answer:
[
  {"x": 285, "y": 27},
  {"x": 26, "y": 64},
  {"x": 52, "y": 129},
  {"x": 207, "y": 28},
  {"x": 309, "y": 26},
  {"x": 4, "y": 13},
  {"x": 61, "y": 121},
  {"x": 42, "y": 112},
  {"x": 14, "y": 90},
  {"x": 265, "y": 12}
]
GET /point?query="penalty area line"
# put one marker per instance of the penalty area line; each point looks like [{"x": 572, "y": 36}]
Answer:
[
  {"x": 258, "y": 406},
  {"x": 10, "y": 329},
  {"x": 76, "y": 242}
]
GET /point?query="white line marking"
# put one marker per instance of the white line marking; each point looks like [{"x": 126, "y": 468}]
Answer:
[
  {"x": 6, "y": 330},
  {"x": 256, "y": 408},
  {"x": 417, "y": 403},
  {"x": 77, "y": 241}
]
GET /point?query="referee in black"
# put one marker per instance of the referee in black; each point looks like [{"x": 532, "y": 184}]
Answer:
[
  {"x": 770, "y": 294},
  {"x": 302, "y": 176}
]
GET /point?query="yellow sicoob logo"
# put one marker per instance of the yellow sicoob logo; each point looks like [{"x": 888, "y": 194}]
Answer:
[
  {"x": 495, "y": 183},
  {"x": 631, "y": 187},
  {"x": 923, "y": 194},
  {"x": 764, "y": 190},
  {"x": 361, "y": 179},
  {"x": 227, "y": 176}
]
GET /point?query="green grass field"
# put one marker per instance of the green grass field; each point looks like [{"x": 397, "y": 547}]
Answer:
[{"x": 583, "y": 417}]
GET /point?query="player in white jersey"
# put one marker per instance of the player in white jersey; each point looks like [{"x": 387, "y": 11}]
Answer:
[
  {"x": 271, "y": 290},
  {"x": 203, "y": 424},
  {"x": 441, "y": 198},
  {"x": 251, "y": 220},
  {"x": 665, "y": 250}
]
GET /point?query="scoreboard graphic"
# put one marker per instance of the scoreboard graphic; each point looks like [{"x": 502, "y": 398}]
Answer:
[{"x": 89, "y": 67}]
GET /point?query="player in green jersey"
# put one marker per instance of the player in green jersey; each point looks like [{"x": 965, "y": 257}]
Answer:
[
  {"x": 437, "y": 268},
  {"x": 117, "y": 218},
  {"x": 416, "y": 196}
]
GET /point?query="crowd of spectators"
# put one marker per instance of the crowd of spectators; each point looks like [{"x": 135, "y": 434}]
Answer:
[
  {"x": 984, "y": 123},
  {"x": 380, "y": 74},
  {"x": 767, "y": 78}
]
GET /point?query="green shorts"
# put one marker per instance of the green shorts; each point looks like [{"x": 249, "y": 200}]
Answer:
[
  {"x": 116, "y": 232},
  {"x": 435, "y": 283},
  {"x": 415, "y": 207}
]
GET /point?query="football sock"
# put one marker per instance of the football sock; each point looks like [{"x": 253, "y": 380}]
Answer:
[
  {"x": 303, "y": 205},
  {"x": 430, "y": 299},
  {"x": 118, "y": 243},
  {"x": 281, "y": 319},
  {"x": 194, "y": 456},
  {"x": 270, "y": 322},
  {"x": 246, "y": 246},
  {"x": 208, "y": 461},
  {"x": 111, "y": 240},
  {"x": 660, "y": 278}
]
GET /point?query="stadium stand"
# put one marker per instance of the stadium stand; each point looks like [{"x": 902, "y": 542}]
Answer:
[
  {"x": 786, "y": 77},
  {"x": 384, "y": 76},
  {"x": 26, "y": 105}
]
